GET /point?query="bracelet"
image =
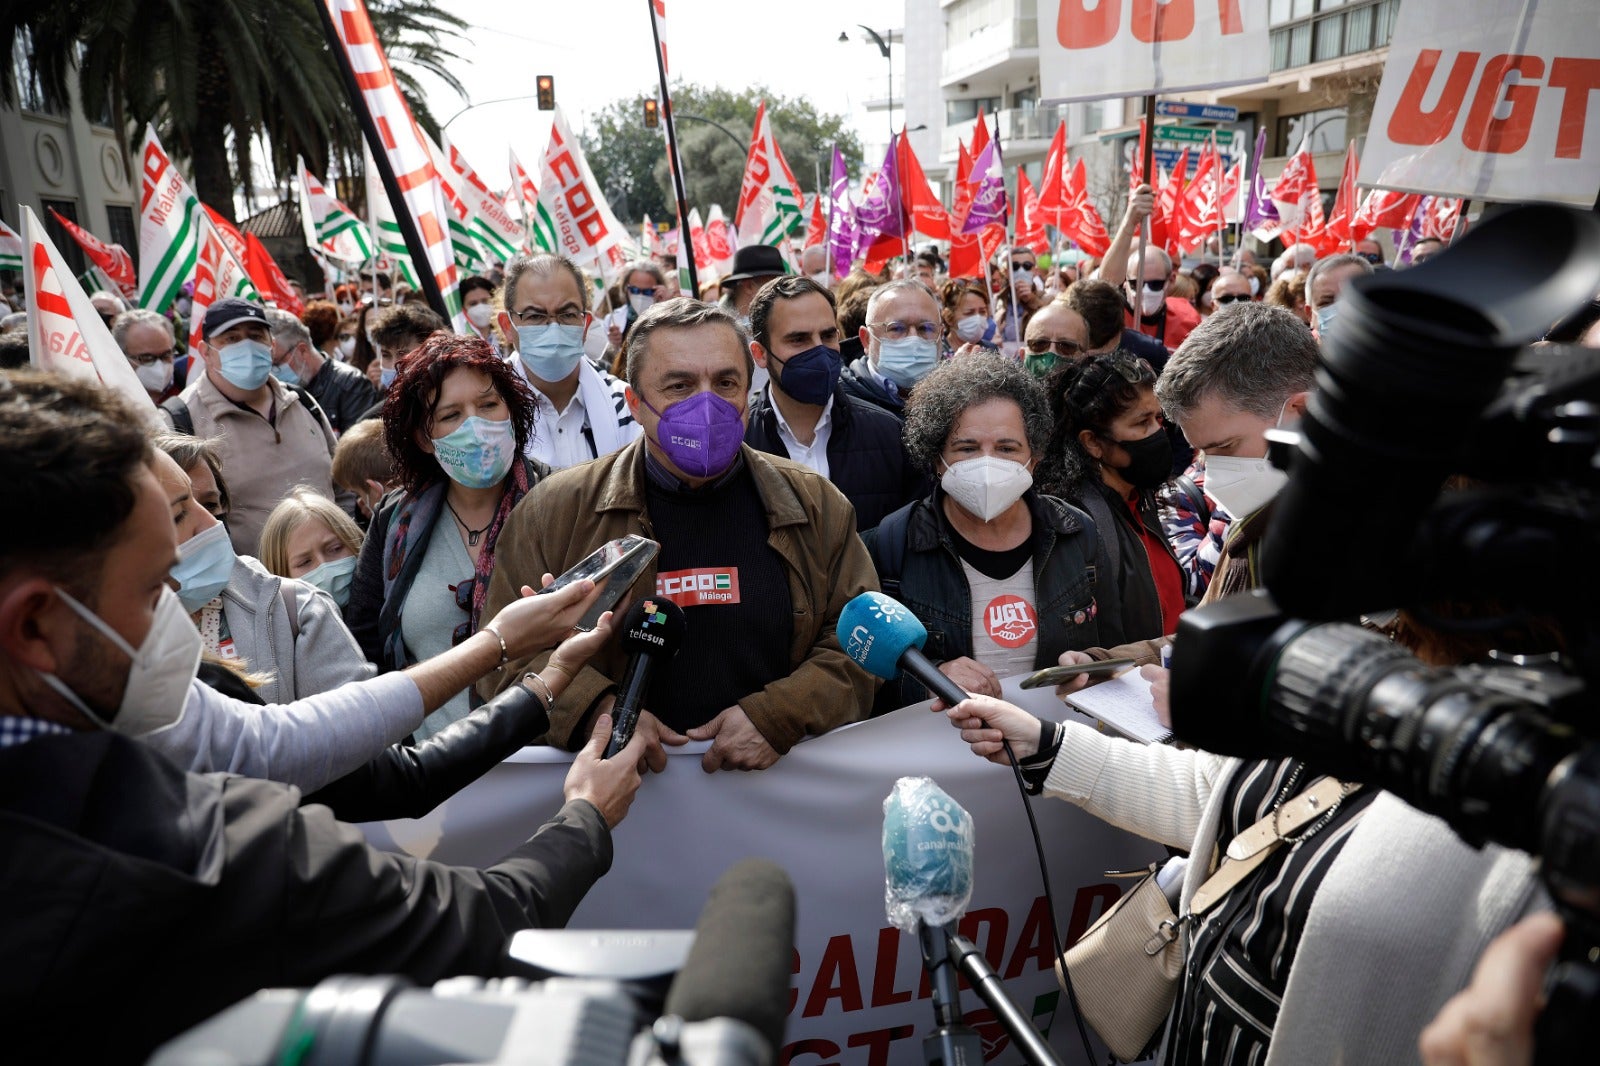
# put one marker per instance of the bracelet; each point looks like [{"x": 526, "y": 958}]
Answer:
[
  {"x": 548, "y": 697},
  {"x": 505, "y": 655}
]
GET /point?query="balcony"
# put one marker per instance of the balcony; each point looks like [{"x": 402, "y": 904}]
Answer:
[
  {"x": 992, "y": 51},
  {"x": 1333, "y": 34},
  {"x": 1023, "y": 131}
]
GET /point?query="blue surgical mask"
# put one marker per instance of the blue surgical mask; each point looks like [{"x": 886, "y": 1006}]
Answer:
[
  {"x": 205, "y": 563},
  {"x": 478, "y": 453},
  {"x": 810, "y": 376},
  {"x": 908, "y": 360},
  {"x": 551, "y": 351},
  {"x": 245, "y": 364},
  {"x": 286, "y": 373},
  {"x": 333, "y": 577},
  {"x": 1325, "y": 317},
  {"x": 385, "y": 378}
]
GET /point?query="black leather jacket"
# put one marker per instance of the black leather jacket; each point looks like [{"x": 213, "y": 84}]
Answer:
[
  {"x": 343, "y": 392},
  {"x": 918, "y": 565}
]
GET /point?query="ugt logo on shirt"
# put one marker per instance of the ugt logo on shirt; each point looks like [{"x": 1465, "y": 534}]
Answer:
[
  {"x": 706, "y": 586},
  {"x": 1010, "y": 621}
]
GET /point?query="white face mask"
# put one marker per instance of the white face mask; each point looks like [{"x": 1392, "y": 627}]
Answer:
[
  {"x": 1151, "y": 302},
  {"x": 160, "y": 671},
  {"x": 1244, "y": 486},
  {"x": 347, "y": 308},
  {"x": 479, "y": 315},
  {"x": 347, "y": 348},
  {"x": 641, "y": 302},
  {"x": 986, "y": 486},
  {"x": 155, "y": 377}
]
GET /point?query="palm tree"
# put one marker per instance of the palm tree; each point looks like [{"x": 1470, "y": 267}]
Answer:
[{"x": 216, "y": 76}]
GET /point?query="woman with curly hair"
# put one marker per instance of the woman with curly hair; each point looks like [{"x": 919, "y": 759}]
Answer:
[
  {"x": 456, "y": 422},
  {"x": 1109, "y": 454},
  {"x": 1000, "y": 574}
]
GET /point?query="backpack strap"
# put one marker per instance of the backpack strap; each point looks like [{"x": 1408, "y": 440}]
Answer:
[
  {"x": 1105, "y": 522},
  {"x": 287, "y": 593},
  {"x": 1191, "y": 495},
  {"x": 178, "y": 411}
]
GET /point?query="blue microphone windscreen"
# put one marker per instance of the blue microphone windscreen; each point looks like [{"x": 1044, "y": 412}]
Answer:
[
  {"x": 875, "y": 630},
  {"x": 927, "y": 854}
]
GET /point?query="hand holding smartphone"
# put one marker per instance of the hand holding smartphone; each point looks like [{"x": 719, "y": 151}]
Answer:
[{"x": 1056, "y": 675}]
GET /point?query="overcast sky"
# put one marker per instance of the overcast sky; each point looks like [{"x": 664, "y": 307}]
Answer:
[{"x": 600, "y": 50}]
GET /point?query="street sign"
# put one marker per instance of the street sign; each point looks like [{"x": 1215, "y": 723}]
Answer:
[
  {"x": 1168, "y": 158},
  {"x": 1192, "y": 134},
  {"x": 1204, "y": 112}
]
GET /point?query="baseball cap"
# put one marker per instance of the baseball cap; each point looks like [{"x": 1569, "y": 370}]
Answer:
[{"x": 228, "y": 312}]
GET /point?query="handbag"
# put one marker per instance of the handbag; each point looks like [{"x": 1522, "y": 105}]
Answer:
[{"x": 1126, "y": 967}]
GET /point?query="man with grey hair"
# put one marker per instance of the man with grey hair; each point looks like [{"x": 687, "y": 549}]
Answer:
[
  {"x": 1246, "y": 369},
  {"x": 545, "y": 319},
  {"x": 343, "y": 392},
  {"x": 146, "y": 339},
  {"x": 1326, "y": 281},
  {"x": 901, "y": 344},
  {"x": 108, "y": 305},
  {"x": 760, "y": 553}
]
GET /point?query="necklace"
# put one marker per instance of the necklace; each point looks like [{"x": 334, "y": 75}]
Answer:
[{"x": 472, "y": 534}]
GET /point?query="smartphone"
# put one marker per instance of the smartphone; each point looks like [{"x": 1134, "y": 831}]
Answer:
[
  {"x": 1055, "y": 675},
  {"x": 614, "y": 566}
]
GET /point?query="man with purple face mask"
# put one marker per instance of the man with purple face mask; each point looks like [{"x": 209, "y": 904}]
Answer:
[{"x": 760, "y": 553}]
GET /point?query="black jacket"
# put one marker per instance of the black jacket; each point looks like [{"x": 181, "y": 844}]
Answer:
[
  {"x": 918, "y": 565},
  {"x": 344, "y": 392},
  {"x": 867, "y": 460},
  {"x": 1130, "y": 601},
  {"x": 160, "y": 897},
  {"x": 857, "y": 381}
]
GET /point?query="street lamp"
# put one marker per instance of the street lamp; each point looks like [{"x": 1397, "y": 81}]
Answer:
[{"x": 883, "y": 49}]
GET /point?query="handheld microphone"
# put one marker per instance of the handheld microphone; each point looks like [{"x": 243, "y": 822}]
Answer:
[
  {"x": 738, "y": 966},
  {"x": 651, "y": 634},
  {"x": 884, "y": 638}
]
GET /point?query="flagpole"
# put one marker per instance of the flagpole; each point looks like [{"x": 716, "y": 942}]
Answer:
[
  {"x": 1011, "y": 239},
  {"x": 674, "y": 161},
  {"x": 380, "y": 156},
  {"x": 1217, "y": 177},
  {"x": 377, "y": 239},
  {"x": 1148, "y": 165}
]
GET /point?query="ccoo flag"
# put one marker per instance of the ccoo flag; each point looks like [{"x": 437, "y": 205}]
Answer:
[
  {"x": 65, "y": 332},
  {"x": 770, "y": 204},
  {"x": 169, "y": 236},
  {"x": 573, "y": 217},
  {"x": 338, "y": 233},
  {"x": 112, "y": 259}
]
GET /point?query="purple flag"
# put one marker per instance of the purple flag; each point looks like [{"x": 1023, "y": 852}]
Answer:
[
  {"x": 880, "y": 214},
  {"x": 988, "y": 191},
  {"x": 1259, "y": 210},
  {"x": 1406, "y": 239},
  {"x": 843, "y": 233}
]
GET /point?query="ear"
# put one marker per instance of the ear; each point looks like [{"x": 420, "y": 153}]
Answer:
[
  {"x": 864, "y": 335},
  {"x": 759, "y": 353},
  {"x": 1296, "y": 407},
  {"x": 588, "y": 320},
  {"x": 1091, "y": 443},
  {"x": 504, "y": 321},
  {"x": 33, "y": 622},
  {"x": 632, "y": 400}
]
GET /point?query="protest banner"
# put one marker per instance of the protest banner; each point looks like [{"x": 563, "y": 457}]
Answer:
[
  {"x": 858, "y": 997},
  {"x": 1491, "y": 103}
]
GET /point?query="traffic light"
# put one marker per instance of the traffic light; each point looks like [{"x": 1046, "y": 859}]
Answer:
[
  {"x": 546, "y": 87},
  {"x": 652, "y": 115}
]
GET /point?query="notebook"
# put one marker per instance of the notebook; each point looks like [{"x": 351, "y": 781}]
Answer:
[{"x": 1124, "y": 704}]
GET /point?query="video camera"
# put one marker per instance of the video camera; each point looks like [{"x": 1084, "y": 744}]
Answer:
[{"x": 1427, "y": 378}]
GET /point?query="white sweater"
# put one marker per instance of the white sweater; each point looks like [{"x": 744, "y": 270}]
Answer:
[{"x": 1394, "y": 929}]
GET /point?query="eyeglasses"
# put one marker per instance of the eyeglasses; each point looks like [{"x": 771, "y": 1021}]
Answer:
[
  {"x": 1155, "y": 284},
  {"x": 1229, "y": 297},
  {"x": 1061, "y": 346},
  {"x": 153, "y": 357},
  {"x": 533, "y": 316},
  {"x": 899, "y": 331},
  {"x": 636, "y": 290},
  {"x": 464, "y": 591},
  {"x": 1016, "y": 266}
]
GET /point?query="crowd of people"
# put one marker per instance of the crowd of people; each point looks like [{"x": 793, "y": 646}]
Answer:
[{"x": 314, "y": 567}]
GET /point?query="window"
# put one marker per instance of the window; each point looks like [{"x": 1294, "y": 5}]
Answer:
[
  {"x": 1328, "y": 35},
  {"x": 959, "y": 111},
  {"x": 1326, "y": 128},
  {"x": 1025, "y": 99},
  {"x": 67, "y": 209},
  {"x": 123, "y": 230},
  {"x": 969, "y": 18},
  {"x": 31, "y": 92}
]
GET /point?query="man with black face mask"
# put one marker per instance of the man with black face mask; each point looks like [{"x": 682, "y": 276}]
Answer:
[
  {"x": 151, "y": 897},
  {"x": 804, "y": 415}
]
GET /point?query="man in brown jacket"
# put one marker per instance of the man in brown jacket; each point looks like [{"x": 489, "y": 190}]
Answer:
[{"x": 761, "y": 553}]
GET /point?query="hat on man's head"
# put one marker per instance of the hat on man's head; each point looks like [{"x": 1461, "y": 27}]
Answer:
[
  {"x": 229, "y": 312},
  {"x": 756, "y": 261}
]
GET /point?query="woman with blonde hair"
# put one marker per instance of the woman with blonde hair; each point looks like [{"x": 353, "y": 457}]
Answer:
[{"x": 308, "y": 537}]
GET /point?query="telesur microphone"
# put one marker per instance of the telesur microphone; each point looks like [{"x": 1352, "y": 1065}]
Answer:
[
  {"x": 884, "y": 638},
  {"x": 651, "y": 634}
]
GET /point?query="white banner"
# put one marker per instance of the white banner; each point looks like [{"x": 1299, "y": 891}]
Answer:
[
  {"x": 572, "y": 216},
  {"x": 857, "y": 997},
  {"x": 1491, "y": 103},
  {"x": 1095, "y": 49}
]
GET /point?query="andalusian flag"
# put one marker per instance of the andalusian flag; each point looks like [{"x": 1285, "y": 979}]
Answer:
[
  {"x": 469, "y": 257},
  {"x": 218, "y": 273},
  {"x": 492, "y": 227},
  {"x": 771, "y": 205},
  {"x": 391, "y": 244},
  {"x": 334, "y": 230},
  {"x": 527, "y": 194},
  {"x": 10, "y": 248},
  {"x": 169, "y": 235}
]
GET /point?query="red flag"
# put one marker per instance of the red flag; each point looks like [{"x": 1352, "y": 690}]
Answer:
[
  {"x": 231, "y": 237},
  {"x": 1053, "y": 182},
  {"x": 1136, "y": 174},
  {"x": 1384, "y": 209},
  {"x": 1164, "y": 222},
  {"x": 1197, "y": 210},
  {"x": 817, "y": 231},
  {"x": 1442, "y": 217},
  {"x": 1228, "y": 194},
  {"x": 1082, "y": 223},
  {"x": 112, "y": 259},
  {"x": 980, "y": 135},
  {"x": 268, "y": 278},
  {"x": 928, "y": 216},
  {"x": 1298, "y": 198},
  {"x": 966, "y": 257},
  {"x": 1340, "y": 230},
  {"x": 1030, "y": 224}
]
